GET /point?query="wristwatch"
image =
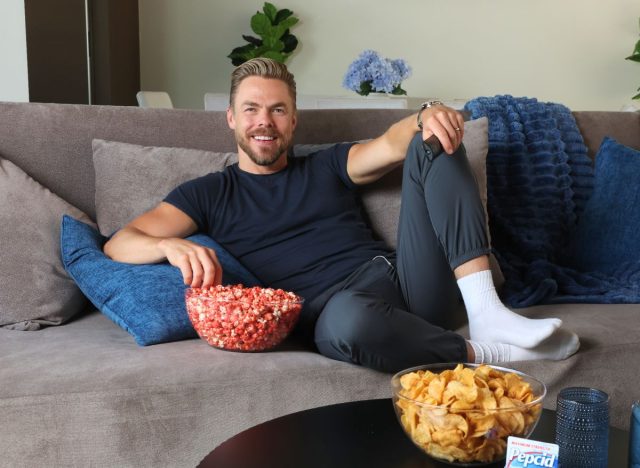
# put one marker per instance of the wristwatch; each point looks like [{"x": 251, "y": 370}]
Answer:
[{"x": 427, "y": 105}]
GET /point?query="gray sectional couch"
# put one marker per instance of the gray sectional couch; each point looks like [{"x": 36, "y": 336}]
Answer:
[{"x": 84, "y": 394}]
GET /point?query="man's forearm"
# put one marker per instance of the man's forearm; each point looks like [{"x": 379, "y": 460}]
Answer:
[
  {"x": 399, "y": 136},
  {"x": 370, "y": 161},
  {"x": 129, "y": 245}
]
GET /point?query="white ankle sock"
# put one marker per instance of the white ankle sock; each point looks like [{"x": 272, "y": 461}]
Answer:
[
  {"x": 490, "y": 321},
  {"x": 560, "y": 345}
]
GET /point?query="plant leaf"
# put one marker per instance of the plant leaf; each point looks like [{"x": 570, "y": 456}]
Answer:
[
  {"x": 637, "y": 96},
  {"x": 283, "y": 28},
  {"x": 242, "y": 49},
  {"x": 252, "y": 40},
  {"x": 260, "y": 51},
  {"x": 270, "y": 10},
  {"x": 290, "y": 42},
  {"x": 260, "y": 24},
  {"x": 288, "y": 23},
  {"x": 239, "y": 55},
  {"x": 282, "y": 15},
  {"x": 273, "y": 43},
  {"x": 365, "y": 88},
  {"x": 398, "y": 91},
  {"x": 277, "y": 56},
  {"x": 634, "y": 57},
  {"x": 275, "y": 33}
]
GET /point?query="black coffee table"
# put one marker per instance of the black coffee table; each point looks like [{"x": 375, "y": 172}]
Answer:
[{"x": 358, "y": 434}]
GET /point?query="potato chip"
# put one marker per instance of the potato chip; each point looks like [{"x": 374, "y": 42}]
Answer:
[
  {"x": 463, "y": 392},
  {"x": 436, "y": 388},
  {"x": 486, "y": 399},
  {"x": 481, "y": 424},
  {"x": 462, "y": 405},
  {"x": 490, "y": 450},
  {"x": 466, "y": 414},
  {"x": 448, "y": 453},
  {"x": 447, "y": 438}
]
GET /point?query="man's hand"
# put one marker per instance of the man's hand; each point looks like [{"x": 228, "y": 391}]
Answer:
[
  {"x": 446, "y": 124},
  {"x": 158, "y": 235},
  {"x": 199, "y": 265}
]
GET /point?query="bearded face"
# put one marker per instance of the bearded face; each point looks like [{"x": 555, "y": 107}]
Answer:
[
  {"x": 263, "y": 118},
  {"x": 263, "y": 146}
]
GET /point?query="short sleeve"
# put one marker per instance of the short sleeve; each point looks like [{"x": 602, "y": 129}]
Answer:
[
  {"x": 196, "y": 199},
  {"x": 337, "y": 161}
]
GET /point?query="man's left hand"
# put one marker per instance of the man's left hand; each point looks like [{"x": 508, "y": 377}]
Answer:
[{"x": 446, "y": 124}]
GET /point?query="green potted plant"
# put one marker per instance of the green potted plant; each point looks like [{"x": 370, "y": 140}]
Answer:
[
  {"x": 635, "y": 56},
  {"x": 275, "y": 42}
]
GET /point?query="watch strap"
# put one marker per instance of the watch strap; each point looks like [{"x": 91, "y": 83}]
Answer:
[{"x": 427, "y": 105}]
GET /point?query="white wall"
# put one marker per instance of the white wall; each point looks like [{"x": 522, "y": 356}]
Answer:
[
  {"x": 568, "y": 51},
  {"x": 14, "y": 80}
]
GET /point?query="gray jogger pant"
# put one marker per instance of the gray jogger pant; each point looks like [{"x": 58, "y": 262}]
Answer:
[{"x": 394, "y": 313}]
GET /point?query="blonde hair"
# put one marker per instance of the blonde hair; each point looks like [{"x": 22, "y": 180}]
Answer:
[{"x": 264, "y": 68}]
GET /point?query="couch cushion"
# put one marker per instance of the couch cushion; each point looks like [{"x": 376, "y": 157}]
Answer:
[
  {"x": 594, "y": 126},
  {"x": 35, "y": 290},
  {"x": 609, "y": 343},
  {"x": 131, "y": 179},
  {"x": 145, "y": 300},
  {"x": 606, "y": 235},
  {"x": 119, "y": 405}
]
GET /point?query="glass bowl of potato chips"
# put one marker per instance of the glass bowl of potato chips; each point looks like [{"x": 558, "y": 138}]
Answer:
[{"x": 463, "y": 414}]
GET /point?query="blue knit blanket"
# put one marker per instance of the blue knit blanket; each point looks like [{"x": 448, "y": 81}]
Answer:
[{"x": 539, "y": 178}]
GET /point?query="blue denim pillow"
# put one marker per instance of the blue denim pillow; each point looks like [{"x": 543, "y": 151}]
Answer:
[
  {"x": 606, "y": 236},
  {"x": 145, "y": 300}
]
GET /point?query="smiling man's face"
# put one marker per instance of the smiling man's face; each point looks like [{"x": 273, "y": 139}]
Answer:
[{"x": 263, "y": 118}]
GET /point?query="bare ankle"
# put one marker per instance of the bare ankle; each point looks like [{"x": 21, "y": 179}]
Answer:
[
  {"x": 472, "y": 266},
  {"x": 471, "y": 355}
]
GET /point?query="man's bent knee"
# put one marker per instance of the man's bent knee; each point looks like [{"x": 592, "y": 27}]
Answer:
[{"x": 341, "y": 325}]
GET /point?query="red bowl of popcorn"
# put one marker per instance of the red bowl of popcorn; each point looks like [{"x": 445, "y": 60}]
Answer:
[{"x": 236, "y": 318}]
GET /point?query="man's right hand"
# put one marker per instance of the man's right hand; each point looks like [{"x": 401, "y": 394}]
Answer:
[
  {"x": 158, "y": 235},
  {"x": 199, "y": 265}
]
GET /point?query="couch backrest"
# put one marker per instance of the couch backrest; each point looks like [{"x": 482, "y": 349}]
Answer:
[
  {"x": 52, "y": 142},
  {"x": 595, "y": 125}
]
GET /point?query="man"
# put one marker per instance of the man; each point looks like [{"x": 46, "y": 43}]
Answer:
[{"x": 296, "y": 224}]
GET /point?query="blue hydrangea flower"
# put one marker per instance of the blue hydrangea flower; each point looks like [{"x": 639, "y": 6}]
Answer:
[{"x": 372, "y": 73}]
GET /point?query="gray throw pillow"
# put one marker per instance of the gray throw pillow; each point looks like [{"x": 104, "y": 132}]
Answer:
[
  {"x": 131, "y": 179},
  {"x": 35, "y": 290}
]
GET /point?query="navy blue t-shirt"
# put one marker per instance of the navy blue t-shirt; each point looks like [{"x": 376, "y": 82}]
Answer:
[{"x": 300, "y": 229}]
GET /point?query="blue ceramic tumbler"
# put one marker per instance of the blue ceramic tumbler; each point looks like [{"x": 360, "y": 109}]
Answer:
[
  {"x": 634, "y": 436},
  {"x": 582, "y": 427}
]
